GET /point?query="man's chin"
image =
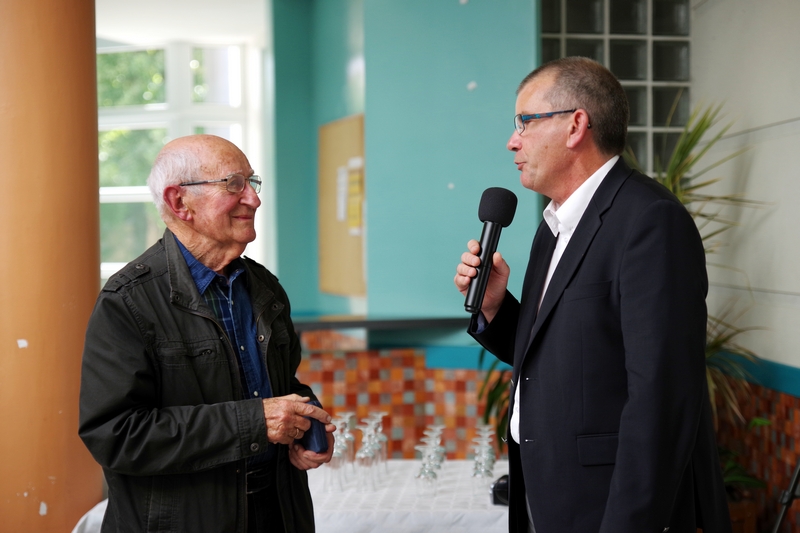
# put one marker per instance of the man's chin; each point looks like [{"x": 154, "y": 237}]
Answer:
[{"x": 247, "y": 237}]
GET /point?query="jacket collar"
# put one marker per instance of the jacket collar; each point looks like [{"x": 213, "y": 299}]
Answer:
[
  {"x": 183, "y": 291},
  {"x": 262, "y": 297}
]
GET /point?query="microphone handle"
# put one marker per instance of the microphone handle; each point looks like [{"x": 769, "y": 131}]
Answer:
[{"x": 477, "y": 287}]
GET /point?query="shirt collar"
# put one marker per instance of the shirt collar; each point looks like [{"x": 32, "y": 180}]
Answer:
[
  {"x": 564, "y": 218},
  {"x": 201, "y": 274}
]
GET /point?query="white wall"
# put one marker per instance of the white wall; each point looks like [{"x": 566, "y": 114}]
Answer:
[{"x": 746, "y": 54}]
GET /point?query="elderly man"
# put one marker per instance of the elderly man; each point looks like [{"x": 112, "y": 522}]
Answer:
[
  {"x": 610, "y": 426},
  {"x": 189, "y": 399}
]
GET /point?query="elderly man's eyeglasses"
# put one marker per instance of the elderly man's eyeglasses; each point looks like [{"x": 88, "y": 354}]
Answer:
[
  {"x": 234, "y": 183},
  {"x": 520, "y": 120}
]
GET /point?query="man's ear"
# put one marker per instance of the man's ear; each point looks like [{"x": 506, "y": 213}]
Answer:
[
  {"x": 174, "y": 198},
  {"x": 579, "y": 128}
]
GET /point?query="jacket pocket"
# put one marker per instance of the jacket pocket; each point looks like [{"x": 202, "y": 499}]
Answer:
[
  {"x": 194, "y": 373},
  {"x": 176, "y": 353},
  {"x": 594, "y": 450},
  {"x": 590, "y": 290}
]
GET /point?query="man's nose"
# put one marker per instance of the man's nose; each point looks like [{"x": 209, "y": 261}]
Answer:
[
  {"x": 249, "y": 197},
  {"x": 514, "y": 142}
]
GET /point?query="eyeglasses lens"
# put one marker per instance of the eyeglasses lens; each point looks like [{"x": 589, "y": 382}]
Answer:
[{"x": 236, "y": 182}]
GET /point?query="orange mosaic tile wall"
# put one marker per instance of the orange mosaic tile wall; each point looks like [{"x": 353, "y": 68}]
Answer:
[
  {"x": 769, "y": 452},
  {"x": 398, "y": 383}
]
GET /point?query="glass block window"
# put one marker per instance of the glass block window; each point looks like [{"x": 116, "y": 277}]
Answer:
[{"x": 646, "y": 44}]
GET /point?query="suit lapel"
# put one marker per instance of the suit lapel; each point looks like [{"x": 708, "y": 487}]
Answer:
[
  {"x": 539, "y": 262},
  {"x": 582, "y": 238}
]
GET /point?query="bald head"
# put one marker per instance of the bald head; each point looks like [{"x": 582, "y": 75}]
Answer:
[
  {"x": 190, "y": 158},
  {"x": 205, "y": 147}
]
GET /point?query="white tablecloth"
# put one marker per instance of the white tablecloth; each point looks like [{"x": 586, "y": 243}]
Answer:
[
  {"x": 400, "y": 505},
  {"x": 397, "y": 505}
]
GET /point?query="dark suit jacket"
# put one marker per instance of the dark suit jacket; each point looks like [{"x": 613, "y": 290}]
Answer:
[{"x": 615, "y": 429}]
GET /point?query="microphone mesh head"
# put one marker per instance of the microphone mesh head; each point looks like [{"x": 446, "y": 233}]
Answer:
[{"x": 498, "y": 205}]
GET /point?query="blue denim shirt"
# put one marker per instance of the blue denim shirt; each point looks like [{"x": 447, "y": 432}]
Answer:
[{"x": 229, "y": 299}]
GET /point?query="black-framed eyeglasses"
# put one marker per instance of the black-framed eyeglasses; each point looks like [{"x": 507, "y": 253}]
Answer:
[
  {"x": 234, "y": 183},
  {"x": 520, "y": 120}
]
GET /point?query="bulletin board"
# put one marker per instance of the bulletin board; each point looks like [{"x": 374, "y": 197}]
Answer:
[{"x": 341, "y": 189}]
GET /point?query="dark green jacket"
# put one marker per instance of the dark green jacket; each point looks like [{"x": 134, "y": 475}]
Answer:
[{"x": 162, "y": 408}]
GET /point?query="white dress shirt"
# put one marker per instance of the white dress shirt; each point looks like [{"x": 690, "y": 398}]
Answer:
[{"x": 562, "y": 221}]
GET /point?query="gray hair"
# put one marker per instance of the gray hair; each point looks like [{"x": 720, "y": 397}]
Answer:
[{"x": 172, "y": 166}]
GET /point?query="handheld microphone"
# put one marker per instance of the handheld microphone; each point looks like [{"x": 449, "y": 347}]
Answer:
[{"x": 496, "y": 211}]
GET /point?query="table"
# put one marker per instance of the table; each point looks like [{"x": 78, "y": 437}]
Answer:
[{"x": 397, "y": 505}]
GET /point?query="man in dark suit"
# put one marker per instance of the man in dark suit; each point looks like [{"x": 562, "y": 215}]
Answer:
[{"x": 610, "y": 427}]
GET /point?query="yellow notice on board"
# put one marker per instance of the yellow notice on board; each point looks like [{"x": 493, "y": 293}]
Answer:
[{"x": 355, "y": 197}]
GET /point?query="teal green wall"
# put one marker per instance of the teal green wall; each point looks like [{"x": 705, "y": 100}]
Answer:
[
  {"x": 338, "y": 42},
  {"x": 295, "y": 152},
  {"x": 426, "y": 132},
  {"x": 314, "y": 42},
  {"x": 432, "y": 145}
]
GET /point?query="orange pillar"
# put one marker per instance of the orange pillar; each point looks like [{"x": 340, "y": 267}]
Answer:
[{"x": 49, "y": 259}]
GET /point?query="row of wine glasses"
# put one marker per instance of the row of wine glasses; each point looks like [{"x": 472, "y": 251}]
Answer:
[
  {"x": 357, "y": 467},
  {"x": 340, "y": 468},
  {"x": 484, "y": 459},
  {"x": 372, "y": 455},
  {"x": 433, "y": 455}
]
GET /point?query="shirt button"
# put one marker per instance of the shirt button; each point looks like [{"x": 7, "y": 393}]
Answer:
[
  {"x": 255, "y": 393},
  {"x": 241, "y": 348},
  {"x": 254, "y": 447}
]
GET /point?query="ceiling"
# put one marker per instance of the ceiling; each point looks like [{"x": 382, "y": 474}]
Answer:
[{"x": 144, "y": 22}]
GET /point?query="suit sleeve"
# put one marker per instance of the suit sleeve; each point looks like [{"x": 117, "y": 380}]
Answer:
[
  {"x": 663, "y": 285},
  {"x": 498, "y": 337}
]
